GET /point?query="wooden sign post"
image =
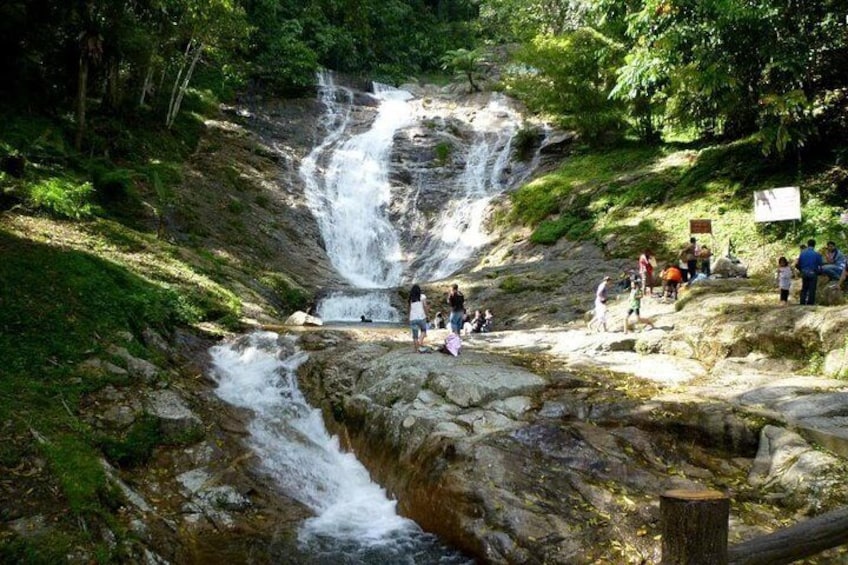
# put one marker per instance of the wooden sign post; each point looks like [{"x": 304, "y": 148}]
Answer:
[{"x": 700, "y": 226}]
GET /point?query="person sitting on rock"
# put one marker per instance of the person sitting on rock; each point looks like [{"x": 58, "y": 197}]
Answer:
[
  {"x": 466, "y": 322},
  {"x": 364, "y": 320},
  {"x": 439, "y": 321},
  {"x": 834, "y": 261},
  {"x": 477, "y": 322},
  {"x": 489, "y": 321}
]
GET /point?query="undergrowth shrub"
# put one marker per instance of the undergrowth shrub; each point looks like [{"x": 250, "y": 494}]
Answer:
[
  {"x": 525, "y": 141},
  {"x": 63, "y": 197},
  {"x": 112, "y": 184},
  {"x": 289, "y": 296},
  {"x": 512, "y": 285}
]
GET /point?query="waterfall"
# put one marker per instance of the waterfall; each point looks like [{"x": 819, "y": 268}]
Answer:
[
  {"x": 459, "y": 231},
  {"x": 355, "y": 520},
  {"x": 350, "y": 198},
  {"x": 349, "y": 191}
]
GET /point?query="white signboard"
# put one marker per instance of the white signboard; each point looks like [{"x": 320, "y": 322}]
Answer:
[{"x": 777, "y": 204}]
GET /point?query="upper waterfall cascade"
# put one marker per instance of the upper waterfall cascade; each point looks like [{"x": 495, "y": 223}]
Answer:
[{"x": 382, "y": 229}]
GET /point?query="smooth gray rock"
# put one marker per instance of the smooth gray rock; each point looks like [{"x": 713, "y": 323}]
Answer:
[
  {"x": 303, "y": 319},
  {"x": 786, "y": 460},
  {"x": 176, "y": 420},
  {"x": 137, "y": 368}
]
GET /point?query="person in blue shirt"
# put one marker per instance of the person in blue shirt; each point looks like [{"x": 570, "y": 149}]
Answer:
[
  {"x": 810, "y": 264},
  {"x": 834, "y": 262}
]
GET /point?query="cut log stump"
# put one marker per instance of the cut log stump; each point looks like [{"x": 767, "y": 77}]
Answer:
[{"x": 694, "y": 527}]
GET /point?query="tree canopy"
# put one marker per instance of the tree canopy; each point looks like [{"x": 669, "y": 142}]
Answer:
[
  {"x": 716, "y": 68},
  {"x": 727, "y": 68}
]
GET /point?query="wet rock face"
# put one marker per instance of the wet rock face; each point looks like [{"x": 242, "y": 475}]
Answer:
[
  {"x": 475, "y": 454},
  {"x": 514, "y": 467}
]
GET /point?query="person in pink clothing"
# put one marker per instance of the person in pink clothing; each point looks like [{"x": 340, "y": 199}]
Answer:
[{"x": 646, "y": 271}]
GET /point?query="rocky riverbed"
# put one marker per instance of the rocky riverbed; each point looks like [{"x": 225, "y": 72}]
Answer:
[{"x": 553, "y": 445}]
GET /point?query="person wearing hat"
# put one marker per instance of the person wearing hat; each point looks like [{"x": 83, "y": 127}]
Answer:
[{"x": 599, "y": 321}]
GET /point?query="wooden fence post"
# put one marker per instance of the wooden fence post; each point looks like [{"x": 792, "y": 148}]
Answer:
[{"x": 694, "y": 527}]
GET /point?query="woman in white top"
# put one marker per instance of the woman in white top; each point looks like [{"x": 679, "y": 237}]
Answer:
[{"x": 417, "y": 316}]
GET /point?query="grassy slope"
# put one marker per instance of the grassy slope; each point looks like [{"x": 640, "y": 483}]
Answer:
[
  {"x": 632, "y": 197},
  {"x": 71, "y": 287}
]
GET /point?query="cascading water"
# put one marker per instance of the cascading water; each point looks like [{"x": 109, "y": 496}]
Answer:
[
  {"x": 355, "y": 520},
  {"x": 349, "y": 190},
  {"x": 351, "y": 196},
  {"x": 460, "y": 227}
]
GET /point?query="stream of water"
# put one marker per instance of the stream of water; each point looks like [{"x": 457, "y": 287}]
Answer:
[
  {"x": 355, "y": 520},
  {"x": 346, "y": 179}
]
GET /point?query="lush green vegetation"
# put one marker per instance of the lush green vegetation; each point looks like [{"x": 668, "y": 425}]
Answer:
[
  {"x": 683, "y": 109},
  {"x": 633, "y": 196}
]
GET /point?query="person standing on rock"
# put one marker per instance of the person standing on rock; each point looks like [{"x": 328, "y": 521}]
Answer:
[
  {"x": 599, "y": 320},
  {"x": 784, "y": 280},
  {"x": 809, "y": 263},
  {"x": 646, "y": 271},
  {"x": 417, "y": 316},
  {"x": 457, "y": 306},
  {"x": 689, "y": 255},
  {"x": 635, "y": 308}
]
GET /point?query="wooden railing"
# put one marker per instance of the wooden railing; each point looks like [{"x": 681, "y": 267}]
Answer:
[{"x": 694, "y": 528}]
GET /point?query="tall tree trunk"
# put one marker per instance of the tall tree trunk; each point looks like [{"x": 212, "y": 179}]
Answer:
[
  {"x": 173, "y": 99},
  {"x": 193, "y": 52},
  {"x": 113, "y": 92},
  {"x": 82, "y": 93},
  {"x": 148, "y": 82}
]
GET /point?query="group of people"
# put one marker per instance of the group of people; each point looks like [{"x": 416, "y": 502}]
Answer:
[
  {"x": 694, "y": 262},
  {"x": 811, "y": 263},
  {"x": 458, "y": 319}
]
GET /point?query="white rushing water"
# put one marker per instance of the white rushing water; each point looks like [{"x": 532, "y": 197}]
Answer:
[
  {"x": 352, "y": 305},
  {"x": 295, "y": 448},
  {"x": 350, "y": 196},
  {"x": 460, "y": 229},
  {"x": 355, "y": 521}
]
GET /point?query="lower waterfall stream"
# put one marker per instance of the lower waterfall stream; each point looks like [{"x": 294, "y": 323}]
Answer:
[{"x": 355, "y": 521}]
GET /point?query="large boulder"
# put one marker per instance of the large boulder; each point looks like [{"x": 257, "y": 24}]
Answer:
[
  {"x": 829, "y": 294},
  {"x": 177, "y": 422},
  {"x": 303, "y": 319},
  {"x": 726, "y": 267}
]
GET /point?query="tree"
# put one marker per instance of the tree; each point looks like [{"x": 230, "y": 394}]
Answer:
[
  {"x": 570, "y": 77},
  {"x": 465, "y": 62},
  {"x": 521, "y": 20},
  {"x": 90, "y": 52},
  {"x": 205, "y": 25},
  {"x": 731, "y": 67}
]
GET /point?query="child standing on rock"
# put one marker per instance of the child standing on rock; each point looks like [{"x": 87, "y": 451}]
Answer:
[
  {"x": 784, "y": 280},
  {"x": 635, "y": 307}
]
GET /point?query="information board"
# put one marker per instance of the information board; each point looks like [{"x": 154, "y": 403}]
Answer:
[
  {"x": 700, "y": 226},
  {"x": 777, "y": 204}
]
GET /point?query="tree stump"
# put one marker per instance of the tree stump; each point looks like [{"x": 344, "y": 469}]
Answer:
[{"x": 694, "y": 527}]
